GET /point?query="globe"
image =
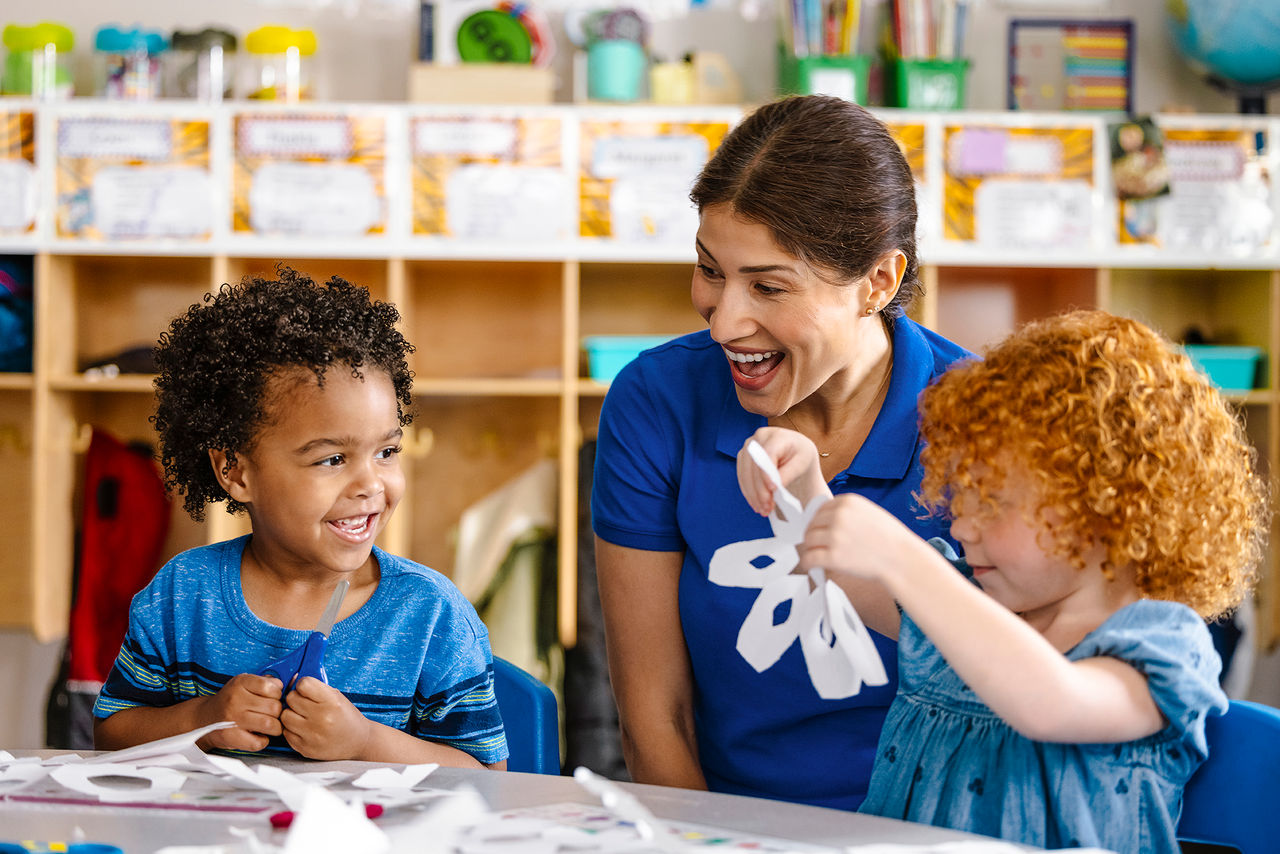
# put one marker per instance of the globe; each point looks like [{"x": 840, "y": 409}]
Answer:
[{"x": 1235, "y": 43}]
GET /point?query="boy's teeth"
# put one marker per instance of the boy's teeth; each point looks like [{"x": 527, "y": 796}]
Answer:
[{"x": 354, "y": 524}]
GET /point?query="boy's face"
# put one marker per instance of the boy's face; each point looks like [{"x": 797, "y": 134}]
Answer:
[{"x": 323, "y": 476}]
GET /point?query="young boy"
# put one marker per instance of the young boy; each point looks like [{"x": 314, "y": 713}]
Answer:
[{"x": 287, "y": 400}]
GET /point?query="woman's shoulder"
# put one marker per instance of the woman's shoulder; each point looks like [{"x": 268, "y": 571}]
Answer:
[{"x": 921, "y": 342}]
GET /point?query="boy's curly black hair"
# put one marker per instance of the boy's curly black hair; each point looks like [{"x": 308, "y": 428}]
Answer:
[{"x": 214, "y": 362}]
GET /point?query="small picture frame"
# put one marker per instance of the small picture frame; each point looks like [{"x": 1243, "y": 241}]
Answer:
[{"x": 1058, "y": 64}]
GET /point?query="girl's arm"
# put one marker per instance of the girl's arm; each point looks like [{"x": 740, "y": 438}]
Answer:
[
  {"x": 649, "y": 664},
  {"x": 1007, "y": 663}
]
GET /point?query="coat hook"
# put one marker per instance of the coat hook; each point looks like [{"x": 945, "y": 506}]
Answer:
[
  {"x": 418, "y": 442},
  {"x": 82, "y": 439}
]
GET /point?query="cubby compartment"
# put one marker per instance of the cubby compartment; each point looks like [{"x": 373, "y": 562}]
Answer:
[
  {"x": 633, "y": 299},
  {"x": 366, "y": 272},
  {"x": 463, "y": 449},
  {"x": 1230, "y": 307},
  {"x": 16, "y": 576},
  {"x": 484, "y": 320},
  {"x": 978, "y": 306},
  {"x": 108, "y": 305}
]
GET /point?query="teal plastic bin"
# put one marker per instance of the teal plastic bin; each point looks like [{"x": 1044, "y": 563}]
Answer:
[
  {"x": 1230, "y": 368},
  {"x": 607, "y": 354}
]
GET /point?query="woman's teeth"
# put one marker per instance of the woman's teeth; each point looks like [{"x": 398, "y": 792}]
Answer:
[{"x": 750, "y": 357}]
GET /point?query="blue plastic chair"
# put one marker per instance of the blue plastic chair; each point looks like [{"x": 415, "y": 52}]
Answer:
[
  {"x": 529, "y": 713},
  {"x": 1233, "y": 799}
]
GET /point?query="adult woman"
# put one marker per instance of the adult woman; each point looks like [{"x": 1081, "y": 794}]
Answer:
[{"x": 806, "y": 263}]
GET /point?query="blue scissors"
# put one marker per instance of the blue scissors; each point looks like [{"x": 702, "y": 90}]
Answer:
[{"x": 308, "y": 659}]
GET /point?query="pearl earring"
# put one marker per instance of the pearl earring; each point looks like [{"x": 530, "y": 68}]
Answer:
[{"x": 871, "y": 309}]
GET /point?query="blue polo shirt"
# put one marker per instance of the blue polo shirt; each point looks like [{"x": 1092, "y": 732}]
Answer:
[{"x": 666, "y": 480}]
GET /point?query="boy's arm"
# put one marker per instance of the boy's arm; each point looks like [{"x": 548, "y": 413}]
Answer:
[
  {"x": 1007, "y": 663},
  {"x": 251, "y": 702}
]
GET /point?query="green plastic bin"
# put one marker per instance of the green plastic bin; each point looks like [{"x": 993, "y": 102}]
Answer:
[
  {"x": 843, "y": 76},
  {"x": 927, "y": 84}
]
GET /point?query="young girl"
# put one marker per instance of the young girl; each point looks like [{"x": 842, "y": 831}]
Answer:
[
  {"x": 287, "y": 400},
  {"x": 1106, "y": 501}
]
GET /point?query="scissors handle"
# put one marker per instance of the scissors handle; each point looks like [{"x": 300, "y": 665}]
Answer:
[{"x": 306, "y": 660}]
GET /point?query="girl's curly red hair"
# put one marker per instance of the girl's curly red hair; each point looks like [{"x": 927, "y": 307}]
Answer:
[{"x": 1125, "y": 442}]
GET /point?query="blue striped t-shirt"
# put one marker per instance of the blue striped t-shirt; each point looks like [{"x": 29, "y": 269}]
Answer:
[{"x": 415, "y": 657}]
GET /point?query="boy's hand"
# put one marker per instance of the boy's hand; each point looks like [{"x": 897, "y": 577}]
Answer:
[
  {"x": 320, "y": 722},
  {"x": 798, "y": 465},
  {"x": 252, "y": 703}
]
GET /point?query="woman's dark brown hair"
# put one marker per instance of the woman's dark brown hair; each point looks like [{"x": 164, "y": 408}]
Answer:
[{"x": 827, "y": 179}]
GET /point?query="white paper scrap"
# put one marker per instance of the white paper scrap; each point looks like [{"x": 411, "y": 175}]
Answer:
[
  {"x": 438, "y": 829},
  {"x": 163, "y": 751},
  {"x": 288, "y": 787},
  {"x": 145, "y": 784},
  {"x": 326, "y": 825},
  {"x": 627, "y": 807},
  {"x": 837, "y": 648},
  {"x": 389, "y": 778}
]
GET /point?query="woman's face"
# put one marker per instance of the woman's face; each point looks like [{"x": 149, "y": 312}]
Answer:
[{"x": 785, "y": 331}]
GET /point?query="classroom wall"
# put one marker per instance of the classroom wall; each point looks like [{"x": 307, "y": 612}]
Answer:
[{"x": 365, "y": 47}]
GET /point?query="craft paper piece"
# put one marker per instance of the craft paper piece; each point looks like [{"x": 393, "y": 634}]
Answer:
[
  {"x": 439, "y": 828},
  {"x": 146, "y": 783},
  {"x": 14, "y": 775},
  {"x": 164, "y": 750},
  {"x": 389, "y": 778},
  {"x": 288, "y": 787},
  {"x": 976, "y": 847},
  {"x": 837, "y": 648},
  {"x": 626, "y": 807},
  {"x": 326, "y": 825}
]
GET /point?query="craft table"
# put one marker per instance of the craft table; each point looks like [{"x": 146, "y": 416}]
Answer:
[{"x": 141, "y": 831}]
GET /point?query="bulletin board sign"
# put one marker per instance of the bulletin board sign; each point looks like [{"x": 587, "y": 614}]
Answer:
[
  {"x": 1219, "y": 199},
  {"x": 911, "y": 139},
  {"x": 18, "y": 180},
  {"x": 305, "y": 174},
  {"x": 490, "y": 176},
  {"x": 140, "y": 177},
  {"x": 1071, "y": 65},
  {"x": 1018, "y": 186},
  {"x": 635, "y": 177}
]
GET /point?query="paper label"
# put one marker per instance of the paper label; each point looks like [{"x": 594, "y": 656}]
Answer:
[
  {"x": 160, "y": 201},
  {"x": 132, "y": 139},
  {"x": 313, "y": 199}
]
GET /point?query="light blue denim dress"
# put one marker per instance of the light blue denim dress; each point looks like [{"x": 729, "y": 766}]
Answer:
[{"x": 946, "y": 759}]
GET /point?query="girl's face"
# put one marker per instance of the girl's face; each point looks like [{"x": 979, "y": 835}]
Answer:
[
  {"x": 785, "y": 331},
  {"x": 1011, "y": 556},
  {"x": 322, "y": 476}
]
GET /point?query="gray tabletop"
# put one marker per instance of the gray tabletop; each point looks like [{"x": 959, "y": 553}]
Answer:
[{"x": 139, "y": 831}]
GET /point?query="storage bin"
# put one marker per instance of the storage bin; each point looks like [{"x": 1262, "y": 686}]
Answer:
[
  {"x": 607, "y": 354},
  {"x": 843, "y": 76},
  {"x": 1233, "y": 368},
  {"x": 927, "y": 84}
]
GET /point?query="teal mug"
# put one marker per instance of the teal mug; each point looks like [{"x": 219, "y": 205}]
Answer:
[{"x": 615, "y": 70}]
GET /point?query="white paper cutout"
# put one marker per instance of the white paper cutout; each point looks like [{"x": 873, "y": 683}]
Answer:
[
  {"x": 174, "y": 751},
  {"x": 625, "y": 806},
  {"x": 837, "y": 648},
  {"x": 389, "y": 778},
  {"x": 14, "y": 775},
  {"x": 288, "y": 787},
  {"x": 90, "y": 779},
  {"x": 326, "y": 825}
]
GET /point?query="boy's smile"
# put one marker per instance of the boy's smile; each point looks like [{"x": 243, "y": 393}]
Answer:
[{"x": 322, "y": 475}]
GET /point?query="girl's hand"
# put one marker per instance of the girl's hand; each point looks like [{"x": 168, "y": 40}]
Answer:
[
  {"x": 321, "y": 723},
  {"x": 252, "y": 703},
  {"x": 797, "y": 460},
  {"x": 851, "y": 534}
]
